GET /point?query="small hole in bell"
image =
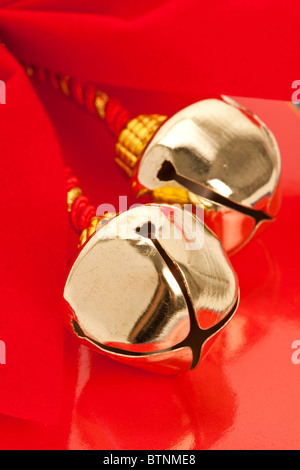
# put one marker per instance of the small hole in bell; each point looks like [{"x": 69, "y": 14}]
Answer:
[{"x": 147, "y": 230}]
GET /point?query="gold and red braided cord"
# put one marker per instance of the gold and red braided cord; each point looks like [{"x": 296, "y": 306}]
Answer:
[
  {"x": 133, "y": 134},
  {"x": 82, "y": 214},
  {"x": 88, "y": 96}
]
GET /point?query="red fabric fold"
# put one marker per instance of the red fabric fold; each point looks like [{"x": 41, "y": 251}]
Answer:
[
  {"x": 247, "y": 48},
  {"x": 33, "y": 252}
]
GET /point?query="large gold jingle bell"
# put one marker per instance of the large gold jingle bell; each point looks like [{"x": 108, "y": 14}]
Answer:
[
  {"x": 150, "y": 288},
  {"x": 214, "y": 153}
]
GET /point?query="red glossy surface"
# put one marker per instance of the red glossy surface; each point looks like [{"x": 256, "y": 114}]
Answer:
[{"x": 245, "y": 394}]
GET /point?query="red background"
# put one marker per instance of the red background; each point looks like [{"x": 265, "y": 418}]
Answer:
[{"x": 155, "y": 58}]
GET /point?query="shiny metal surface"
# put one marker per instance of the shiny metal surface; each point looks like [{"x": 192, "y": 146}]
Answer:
[
  {"x": 151, "y": 287},
  {"x": 225, "y": 156}
]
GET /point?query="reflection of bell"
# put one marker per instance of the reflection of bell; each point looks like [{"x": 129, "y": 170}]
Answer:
[
  {"x": 150, "y": 287},
  {"x": 214, "y": 153}
]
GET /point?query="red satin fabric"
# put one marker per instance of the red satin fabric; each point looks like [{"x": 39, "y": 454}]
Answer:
[
  {"x": 242, "y": 48},
  {"x": 33, "y": 251},
  {"x": 154, "y": 56}
]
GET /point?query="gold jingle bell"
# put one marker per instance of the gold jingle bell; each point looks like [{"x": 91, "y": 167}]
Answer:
[
  {"x": 214, "y": 153},
  {"x": 151, "y": 287}
]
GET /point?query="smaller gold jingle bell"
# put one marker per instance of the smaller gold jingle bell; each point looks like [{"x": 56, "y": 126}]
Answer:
[
  {"x": 150, "y": 287},
  {"x": 214, "y": 153}
]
